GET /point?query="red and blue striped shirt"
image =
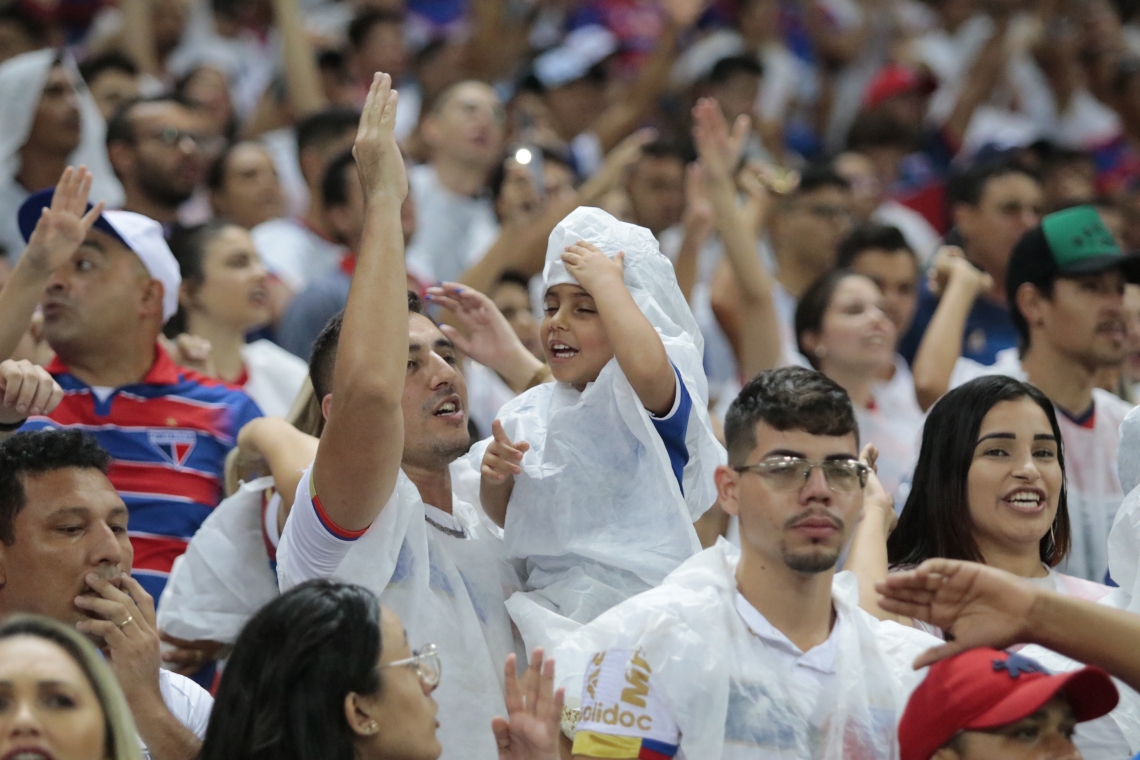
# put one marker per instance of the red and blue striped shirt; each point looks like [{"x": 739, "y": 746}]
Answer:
[{"x": 168, "y": 436}]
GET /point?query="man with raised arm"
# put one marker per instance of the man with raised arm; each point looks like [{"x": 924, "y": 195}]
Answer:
[{"x": 376, "y": 508}]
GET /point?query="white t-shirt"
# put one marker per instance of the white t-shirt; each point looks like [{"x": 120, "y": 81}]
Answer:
[
  {"x": 275, "y": 376},
  {"x": 443, "y": 574},
  {"x": 452, "y": 231},
  {"x": 294, "y": 253},
  {"x": 692, "y": 668},
  {"x": 1090, "y": 466},
  {"x": 187, "y": 701},
  {"x": 894, "y": 424}
]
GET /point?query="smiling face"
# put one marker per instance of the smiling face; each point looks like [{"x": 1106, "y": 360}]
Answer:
[
  {"x": 573, "y": 336},
  {"x": 856, "y": 335},
  {"x": 73, "y": 523},
  {"x": 1045, "y": 735},
  {"x": 435, "y": 398},
  {"x": 48, "y": 709},
  {"x": 1015, "y": 478},
  {"x": 235, "y": 284},
  {"x": 804, "y": 529}
]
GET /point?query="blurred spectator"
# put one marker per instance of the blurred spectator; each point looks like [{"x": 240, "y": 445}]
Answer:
[
  {"x": 113, "y": 80},
  {"x": 1068, "y": 178},
  {"x": 206, "y": 88},
  {"x": 873, "y": 204},
  {"x": 991, "y": 205},
  {"x": 464, "y": 130},
  {"x": 298, "y": 250},
  {"x": 656, "y": 187},
  {"x": 376, "y": 43},
  {"x": 158, "y": 148},
  {"x": 244, "y": 187},
  {"x": 50, "y": 121},
  {"x": 20, "y": 31}
]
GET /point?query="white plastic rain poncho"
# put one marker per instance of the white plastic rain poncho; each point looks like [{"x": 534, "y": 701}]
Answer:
[
  {"x": 597, "y": 513},
  {"x": 225, "y": 576},
  {"x": 22, "y": 82},
  {"x": 732, "y": 698},
  {"x": 448, "y": 591}
]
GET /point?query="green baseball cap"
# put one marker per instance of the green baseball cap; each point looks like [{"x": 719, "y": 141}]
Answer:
[{"x": 1068, "y": 243}]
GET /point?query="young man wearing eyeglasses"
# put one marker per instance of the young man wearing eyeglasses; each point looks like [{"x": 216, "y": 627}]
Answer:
[{"x": 761, "y": 652}]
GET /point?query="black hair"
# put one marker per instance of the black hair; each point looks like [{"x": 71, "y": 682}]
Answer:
[
  {"x": 727, "y": 68},
  {"x": 787, "y": 398},
  {"x": 325, "y": 127},
  {"x": 513, "y": 277},
  {"x": 334, "y": 186},
  {"x": 361, "y": 25},
  {"x": 866, "y": 237},
  {"x": 119, "y": 126},
  {"x": 15, "y": 12},
  {"x": 189, "y": 244},
  {"x": 113, "y": 61},
  {"x": 936, "y": 519},
  {"x": 813, "y": 305},
  {"x": 216, "y": 173},
  {"x": 230, "y": 128},
  {"x": 664, "y": 147},
  {"x": 878, "y": 129},
  {"x": 282, "y": 694},
  {"x": 969, "y": 185},
  {"x": 498, "y": 174},
  {"x": 322, "y": 361},
  {"x": 820, "y": 175},
  {"x": 35, "y": 453}
]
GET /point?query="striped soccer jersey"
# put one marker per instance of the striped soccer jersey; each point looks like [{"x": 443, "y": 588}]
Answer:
[{"x": 168, "y": 436}]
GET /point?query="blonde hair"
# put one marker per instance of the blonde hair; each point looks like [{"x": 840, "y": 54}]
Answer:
[
  {"x": 121, "y": 738},
  {"x": 305, "y": 415}
]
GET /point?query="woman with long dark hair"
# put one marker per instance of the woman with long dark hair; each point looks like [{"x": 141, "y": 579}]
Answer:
[
  {"x": 989, "y": 487},
  {"x": 324, "y": 672}
]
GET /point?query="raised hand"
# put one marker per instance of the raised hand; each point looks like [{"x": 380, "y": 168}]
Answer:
[
  {"x": 26, "y": 390},
  {"x": 719, "y": 148},
  {"x": 950, "y": 264},
  {"x": 590, "y": 267},
  {"x": 63, "y": 226},
  {"x": 698, "y": 217},
  {"x": 874, "y": 495},
  {"x": 618, "y": 160},
  {"x": 503, "y": 456},
  {"x": 376, "y": 151},
  {"x": 683, "y": 13},
  {"x": 492, "y": 341},
  {"x": 534, "y": 712},
  {"x": 977, "y": 605}
]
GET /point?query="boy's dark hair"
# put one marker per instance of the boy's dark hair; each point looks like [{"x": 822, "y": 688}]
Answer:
[
  {"x": 36, "y": 453},
  {"x": 788, "y": 398},
  {"x": 820, "y": 175},
  {"x": 878, "y": 129},
  {"x": 513, "y": 277},
  {"x": 361, "y": 25},
  {"x": 113, "y": 61},
  {"x": 969, "y": 185},
  {"x": 322, "y": 362},
  {"x": 726, "y": 68},
  {"x": 866, "y": 237},
  {"x": 325, "y": 127},
  {"x": 334, "y": 186}
]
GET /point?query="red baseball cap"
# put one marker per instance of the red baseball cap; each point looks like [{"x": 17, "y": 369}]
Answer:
[
  {"x": 893, "y": 80},
  {"x": 984, "y": 688}
]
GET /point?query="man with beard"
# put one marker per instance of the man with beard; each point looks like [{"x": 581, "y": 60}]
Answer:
[
  {"x": 158, "y": 148},
  {"x": 1065, "y": 286},
  {"x": 761, "y": 652},
  {"x": 65, "y": 554}
]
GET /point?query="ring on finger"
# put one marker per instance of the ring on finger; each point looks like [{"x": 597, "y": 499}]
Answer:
[{"x": 130, "y": 619}]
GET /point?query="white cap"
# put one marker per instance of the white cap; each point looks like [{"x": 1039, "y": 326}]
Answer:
[{"x": 582, "y": 49}]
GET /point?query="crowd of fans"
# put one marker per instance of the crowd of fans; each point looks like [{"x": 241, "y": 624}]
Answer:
[{"x": 765, "y": 369}]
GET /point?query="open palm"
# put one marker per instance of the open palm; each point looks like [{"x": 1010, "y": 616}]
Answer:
[
  {"x": 534, "y": 712},
  {"x": 62, "y": 227}
]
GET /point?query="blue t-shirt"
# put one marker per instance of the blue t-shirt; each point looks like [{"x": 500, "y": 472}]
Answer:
[
  {"x": 989, "y": 328},
  {"x": 673, "y": 428}
]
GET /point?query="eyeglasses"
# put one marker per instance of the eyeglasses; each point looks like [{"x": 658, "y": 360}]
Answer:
[
  {"x": 425, "y": 662},
  {"x": 791, "y": 473},
  {"x": 171, "y": 137}
]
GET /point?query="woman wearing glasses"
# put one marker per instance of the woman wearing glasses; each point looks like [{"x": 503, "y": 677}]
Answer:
[
  {"x": 324, "y": 672},
  {"x": 844, "y": 332},
  {"x": 989, "y": 487}
]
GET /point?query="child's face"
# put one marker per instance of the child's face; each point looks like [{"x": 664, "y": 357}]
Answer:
[{"x": 573, "y": 336}]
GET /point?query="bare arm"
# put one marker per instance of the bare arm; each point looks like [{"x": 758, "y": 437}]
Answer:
[
  {"x": 942, "y": 342},
  {"x": 302, "y": 79},
  {"x": 285, "y": 450},
  {"x": 984, "y": 606},
  {"x": 698, "y": 224},
  {"x": 868, "y": 555},
  {"x": 358, "y": 459},
  {"x": 978, "y": 83}
]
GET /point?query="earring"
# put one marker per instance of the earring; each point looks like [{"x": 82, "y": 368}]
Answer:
[
  {"x": 372, "y": 727},
  {"x": 820, "y": 352}
]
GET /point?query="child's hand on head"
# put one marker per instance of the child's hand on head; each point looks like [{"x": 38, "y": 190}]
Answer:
[
  {"x": 503, "y": 456},
  {"x": 590, "y": 267}
]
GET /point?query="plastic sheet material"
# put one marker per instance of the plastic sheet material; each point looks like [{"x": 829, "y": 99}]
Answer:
[
  {"x": 598, "y": 514},
  {"x": 732, "y": 698},
  {"x": 224, "y": 577},
  {"x": 448, "y": 591}
]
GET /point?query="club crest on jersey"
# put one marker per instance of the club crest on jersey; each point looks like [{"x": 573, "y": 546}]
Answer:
[{"x": 174, "y": 445}]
